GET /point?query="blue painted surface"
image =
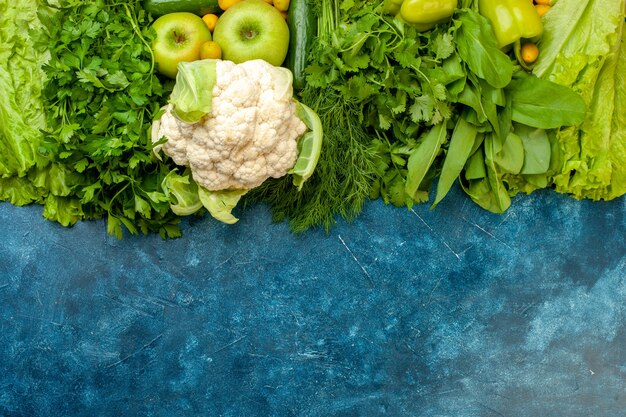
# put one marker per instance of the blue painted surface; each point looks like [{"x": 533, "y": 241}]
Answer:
[{"x": 452, "y": 312}]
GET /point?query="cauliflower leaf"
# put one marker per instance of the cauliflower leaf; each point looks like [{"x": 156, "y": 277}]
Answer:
[
  {"x": 309, "y": 145},
  {"x": 184, "y": 191},
  {"x": 192, "y": 96},
  {"x": 221, "y": 203}
]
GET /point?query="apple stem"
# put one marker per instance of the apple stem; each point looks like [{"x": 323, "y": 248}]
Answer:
[
  {"x": 179, "y": 37},
  {"x": 250, "y": 33}
]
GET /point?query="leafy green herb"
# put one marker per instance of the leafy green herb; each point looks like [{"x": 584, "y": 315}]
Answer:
[
  {"x": 377, "y": 85},
  {"x": 102, "y": 93},
  {"x": 343, "y": 178}
]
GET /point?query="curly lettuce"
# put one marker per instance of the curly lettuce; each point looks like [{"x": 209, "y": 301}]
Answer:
[
  {"x": 21, "y": 80},
  {"x": 584, "y": 48}
]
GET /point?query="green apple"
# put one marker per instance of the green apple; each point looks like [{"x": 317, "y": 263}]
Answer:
[
  {"x": 179, "y": 38},
  {"x": 252, "y": 29}
]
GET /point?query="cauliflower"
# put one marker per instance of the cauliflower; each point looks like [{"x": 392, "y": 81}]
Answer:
[{"x": 247, "y": 128}]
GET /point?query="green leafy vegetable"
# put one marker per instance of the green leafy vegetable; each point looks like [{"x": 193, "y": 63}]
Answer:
[
  {"x": 499, "y": 199},
  {"x": 101, "y": 93},
  {"x": 544, "y": 104},
  {"x": 460, "y": 148},
  {"x": 422, "y": 158},
  {"x": 510, "y": 157},
  {"x": 493, "y": 98},
  {"x": 584, "y": 48},
  {"x": 344, "y": 175},
  {"x": 537, "y": 149},
  {"x": 22, "y": 52},
  {"x": 475, "y": 166},
  {"x": 478, "y": 48}
]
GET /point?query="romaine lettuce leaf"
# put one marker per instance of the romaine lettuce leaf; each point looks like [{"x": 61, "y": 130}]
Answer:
[
  {"x": 22, "y": 53},
  {"x": 577, "y": 38},
  {"x": 583, "y": 48},
  {"x": 617, "y": 153}
]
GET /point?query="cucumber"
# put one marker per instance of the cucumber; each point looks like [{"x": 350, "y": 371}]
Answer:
[
  {"x": 200, "y": 7},
  {"x": 302, "y": 29}
]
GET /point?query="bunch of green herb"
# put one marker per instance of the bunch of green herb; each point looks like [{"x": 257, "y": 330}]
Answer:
[
  {"x": 403, "y": 109},
  {"x": 376, "y": 84},
  {"x": 101, "y": 94}
]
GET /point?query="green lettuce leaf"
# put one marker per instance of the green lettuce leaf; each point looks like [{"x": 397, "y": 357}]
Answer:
[
  {"x": 577, "y": 38},
  {"x": 19, "y": 191},
  {"x": 617, "y": 153},
  {"x": 64, "y": 210},
  {"x": 22, "y": 53},
  {"x": 583, "y": 48}
]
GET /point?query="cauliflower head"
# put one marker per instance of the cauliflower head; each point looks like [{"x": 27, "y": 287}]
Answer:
[{"x": 250, "y": 133}]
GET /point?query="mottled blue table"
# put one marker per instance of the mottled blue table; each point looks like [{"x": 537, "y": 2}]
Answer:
[{"x": 451, "y": 312}]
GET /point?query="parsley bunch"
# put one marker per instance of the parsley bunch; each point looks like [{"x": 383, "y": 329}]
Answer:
[{"x": 102, "y": 94}]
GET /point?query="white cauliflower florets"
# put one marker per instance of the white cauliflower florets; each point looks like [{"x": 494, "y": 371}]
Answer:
[{"x": 250, "y": 135}]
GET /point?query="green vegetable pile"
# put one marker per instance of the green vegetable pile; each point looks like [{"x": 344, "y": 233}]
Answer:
[
  {"x": 90, "y": 153},
  {"x": 406, "y": 111}
]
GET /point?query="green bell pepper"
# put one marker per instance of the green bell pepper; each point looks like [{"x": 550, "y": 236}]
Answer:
[
  {"x": 512, "y": 20},
  {"x": 423, "y": 14}
]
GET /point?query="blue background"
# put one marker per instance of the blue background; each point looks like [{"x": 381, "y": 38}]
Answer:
[{"x": 451, "y": 312}]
